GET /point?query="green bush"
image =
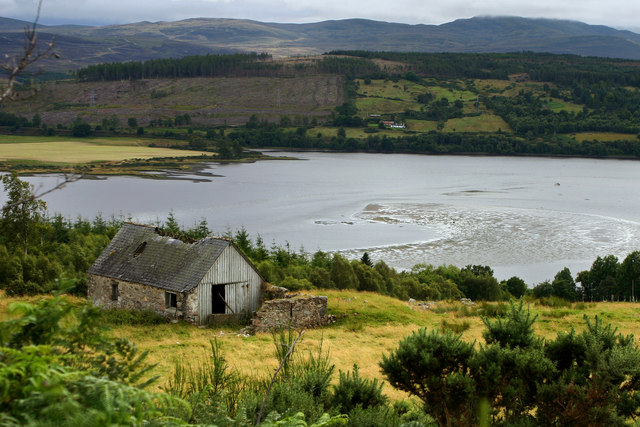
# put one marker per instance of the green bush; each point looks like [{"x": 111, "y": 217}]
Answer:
[
  {"x": 493, "y": 309},
  {"x": 121, "y": 316},
  {"x": 354, "y": 391},
  {"x": 519, "y": 379},
  {"x": 554, "y": 302},
  {"x": 435, "y": 368},
  {"x": 455, "y": 327}
]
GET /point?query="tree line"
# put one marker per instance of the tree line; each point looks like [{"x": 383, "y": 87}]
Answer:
[
  {"x": 228, "y": 65},
  {"x": 542, "y": 67},
  {"x": 188, "y": 66},
  {"x": 271, "y": 135}
]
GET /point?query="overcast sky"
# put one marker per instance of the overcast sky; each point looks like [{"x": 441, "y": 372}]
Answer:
[{"x": 621, "y": 14}]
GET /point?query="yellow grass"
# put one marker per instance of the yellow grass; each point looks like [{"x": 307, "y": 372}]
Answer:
[
  {"x": 604, "y": 136},
  {"x": 361, "y": 335},
  {"x": 482, "y": 123},
  {"x": 368, "y": 326},
  {"x": 490, "y": 87},
  {"x": 422, "y": 125},
  {"x": 357, "y": 133},
  {"x": 71, "y": 151},
  {"x": 384, "y": 106}
]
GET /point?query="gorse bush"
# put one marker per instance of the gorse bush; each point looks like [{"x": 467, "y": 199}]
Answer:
[
  {"x": 592, "y": 378},
  {"x": 354, "y": 391}
]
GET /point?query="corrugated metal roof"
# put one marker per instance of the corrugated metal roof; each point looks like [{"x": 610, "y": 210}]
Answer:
[{"x": 139, "y": 254}]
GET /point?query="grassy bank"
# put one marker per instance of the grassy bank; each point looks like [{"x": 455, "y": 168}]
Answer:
[
  {"x": 367, "y": 326},
  {"x": 97, "y": 156}
]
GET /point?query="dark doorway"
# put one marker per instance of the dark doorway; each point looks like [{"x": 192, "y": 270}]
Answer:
[{"x": 218, "y": 305}]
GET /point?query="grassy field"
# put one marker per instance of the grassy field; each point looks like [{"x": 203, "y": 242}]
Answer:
[
  {"x": 58, "y": 150},
  {"x": 604, "y": 136},
  {"x": 368, "y": 325},
  {"x": 386, "y": 96},
  {"x": 357, "y": 133},
  {"x": 482, "y": 123}
]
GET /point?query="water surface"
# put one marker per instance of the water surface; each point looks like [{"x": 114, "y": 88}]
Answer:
[{"x": 523, "y": 216}]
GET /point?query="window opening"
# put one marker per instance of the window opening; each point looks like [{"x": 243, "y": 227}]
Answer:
[
  {"x": 170, "y": 300},
  {"x": 114, "y": 292}
]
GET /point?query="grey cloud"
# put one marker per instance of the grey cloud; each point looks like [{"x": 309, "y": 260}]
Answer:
[{"x": 615, "y": 13}]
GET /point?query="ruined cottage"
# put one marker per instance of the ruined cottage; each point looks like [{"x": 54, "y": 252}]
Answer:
[{"x": 143, "y": 269}]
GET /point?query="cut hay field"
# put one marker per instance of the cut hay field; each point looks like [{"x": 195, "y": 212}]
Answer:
[
  {"x": 368, "y": 325},
  {"x": 60, "y": 150}
]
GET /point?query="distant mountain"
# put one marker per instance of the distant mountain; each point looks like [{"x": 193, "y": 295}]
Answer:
[{"x": 83, "y": 45}]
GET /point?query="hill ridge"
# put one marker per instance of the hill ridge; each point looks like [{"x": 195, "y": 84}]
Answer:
[{"x": 482, "y": 34}]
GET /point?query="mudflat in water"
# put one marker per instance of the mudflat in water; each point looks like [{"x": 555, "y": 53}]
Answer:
[{"x": 528, "y": 217}]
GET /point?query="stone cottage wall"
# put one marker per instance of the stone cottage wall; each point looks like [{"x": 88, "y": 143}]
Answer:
[
  {"x": 297, "y": 313},
  {"x": 135, "y": 296}
]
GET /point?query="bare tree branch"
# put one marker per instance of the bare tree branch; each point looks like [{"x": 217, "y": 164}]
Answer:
[
  {"x": 31, "y": 53},
  {"x": 34, "y": 195}
]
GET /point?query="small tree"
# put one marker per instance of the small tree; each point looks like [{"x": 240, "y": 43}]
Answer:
[
  {"x": 435, "y": 368},
  {"x": 352, "y": 390},
  {"x": 132, "y": 122},
  {"x": 22, "y": 214},
  {"x": 36, "y": 121},
  {"x": 80, "y": 129},
  {"x": 516, "y": 286},
  {"x": 598, "y": 378},
  {"x": 514, "y": 331},
  {"x": 366, "y": 260}
]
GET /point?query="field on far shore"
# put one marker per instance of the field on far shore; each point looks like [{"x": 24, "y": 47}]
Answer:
[
  {"x": 83, "y": 150},
  {"x": 367, "y": 326}
]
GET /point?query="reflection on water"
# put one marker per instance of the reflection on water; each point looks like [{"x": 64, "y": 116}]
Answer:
[{"x": 522, "y": 216}]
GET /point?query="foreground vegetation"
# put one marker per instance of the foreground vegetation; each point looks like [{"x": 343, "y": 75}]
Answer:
[{"x": 58, "y": 364}]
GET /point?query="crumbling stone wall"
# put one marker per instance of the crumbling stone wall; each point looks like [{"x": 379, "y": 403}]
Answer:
[
  {"x": 135, "y": 296},
  {"x": 297, "y": 313}
]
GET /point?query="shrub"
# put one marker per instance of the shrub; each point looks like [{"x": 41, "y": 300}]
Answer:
[
  {"x": 554, "y": 302},
  {"x": 211, "y": 388},
  {"x": 455, "y": 327},
  {"x": 515, "y": 331},
  {"x": 294, "y": 284},
  {"x": 354, "y": 391},
  {"x": 435, "y": 368},
  {"x": 121, "y": 316},
  {"x": 493, "y": 310}
]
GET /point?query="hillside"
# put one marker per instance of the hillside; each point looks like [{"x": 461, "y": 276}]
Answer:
[
  {"x": 83, "y": 45},
  {"x": 209, "y": 101}
]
